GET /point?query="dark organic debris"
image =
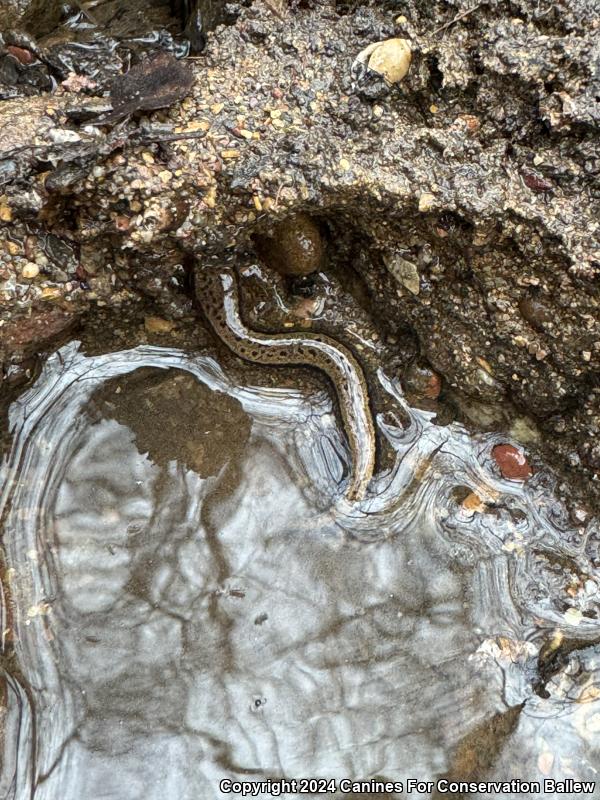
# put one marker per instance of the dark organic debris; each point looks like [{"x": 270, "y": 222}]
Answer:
[
  {"x": 158, "y": 82},
  {"x": 198, "y": 17}
]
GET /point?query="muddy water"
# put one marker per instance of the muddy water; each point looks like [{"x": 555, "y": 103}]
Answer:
[{"x": 189, "y": 598}]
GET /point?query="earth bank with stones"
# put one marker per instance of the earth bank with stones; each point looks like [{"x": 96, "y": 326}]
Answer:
[{"x": 462, "y": 201}]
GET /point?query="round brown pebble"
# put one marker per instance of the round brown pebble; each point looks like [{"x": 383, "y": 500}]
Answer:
[
  {"x": 294, "y": 246},
  {"x": 512, "y": 462},
  {"x": 535, "y": 312}
]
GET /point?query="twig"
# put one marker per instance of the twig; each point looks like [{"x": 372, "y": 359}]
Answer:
[
  {"x": 148, "y": 137},
  {"x": 458, "y": 17}
]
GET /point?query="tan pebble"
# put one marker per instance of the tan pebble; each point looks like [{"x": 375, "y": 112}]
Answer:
[
  {"x": 257, "y": 203},
  {"x": 30, "y": 270},
  {"x": 344, "y": 164},
  {"x": 50, "y": 293},
  {"x": 216, "y": 108},
  {"x": 135, "y": 206},
  {"x": 426, "y": 201},
  {"x": 158, "y": 325},
  {"x": 306, "y": 308},
  {"x": 210, "y": 198},
  {"x": 485, "y": 365},
  {"x": 147, "y": 157},
  {"x": 405, "y": 272},
  {"x": 5, "y": 213},
  {"x": 473, "y": 502},
  {"x": 390, "y": 58},
  {"x": 230, "y": 153},
  {"x": 197, "y": 125},
  {"x": 165, "y": 176},
  {"x": 12, "y": 247}
]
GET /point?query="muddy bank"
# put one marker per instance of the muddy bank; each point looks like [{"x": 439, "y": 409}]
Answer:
[{"x": 461, "y": 204}]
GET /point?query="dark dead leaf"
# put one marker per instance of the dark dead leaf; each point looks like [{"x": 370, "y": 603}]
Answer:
[{"x": 158, "y": 82}]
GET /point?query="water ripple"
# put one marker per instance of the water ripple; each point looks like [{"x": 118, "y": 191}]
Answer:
[{"x": 187, "y": 598}]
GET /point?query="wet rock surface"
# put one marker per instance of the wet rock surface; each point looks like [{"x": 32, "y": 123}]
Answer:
[{"x": 463, "y": 200}]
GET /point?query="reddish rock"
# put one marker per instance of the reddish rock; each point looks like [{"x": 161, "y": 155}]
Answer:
[
  {"x": 536, "y": 182},
  {"x": 122, "y": 223},
  {"x": 512, "y": 462},
  {"x": 471, "y": 122},
  {"x": 433, "y": 387},
  {"x": 26, "y": 333},
  {"x": 21, "y": 54},
  {"x": 424, "y": 381}
]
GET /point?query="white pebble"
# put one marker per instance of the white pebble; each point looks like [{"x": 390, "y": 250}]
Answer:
[{"x": 30, "y": 270}]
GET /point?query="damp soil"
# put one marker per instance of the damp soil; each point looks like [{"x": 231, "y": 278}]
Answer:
[{"x": 462, "y": 201}]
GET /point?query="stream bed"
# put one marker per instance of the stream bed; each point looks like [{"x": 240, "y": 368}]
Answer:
[{"x": 187, "y": 599}]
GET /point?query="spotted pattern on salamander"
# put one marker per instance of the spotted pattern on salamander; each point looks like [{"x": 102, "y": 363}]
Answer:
[{"x": 217, "y": 293}]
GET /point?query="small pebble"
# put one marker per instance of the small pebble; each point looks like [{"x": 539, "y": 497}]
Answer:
[
  {"x": 426, "y": 201},
  {"x": 21, "y": 54},
  {"x": 158, "y": 325},
  {"x": 30, "y": 270},
  {"x": 474, "y": 503},
  {"x": 424, "y": 381},
  {"x": 512, "y": 462},
  {"x": 390, "y": 58}
]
